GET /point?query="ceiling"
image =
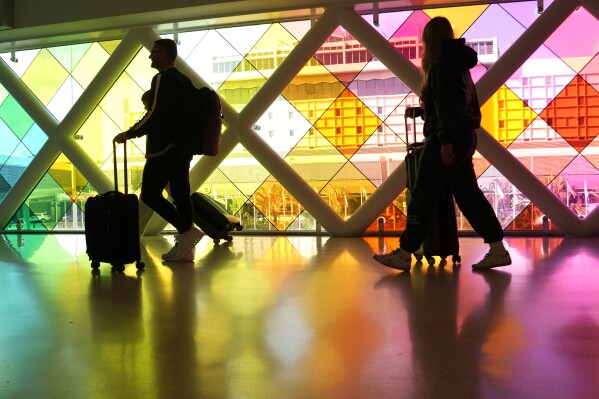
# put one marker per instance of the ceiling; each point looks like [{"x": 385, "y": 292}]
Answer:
[{"x": 114, "y": 24}]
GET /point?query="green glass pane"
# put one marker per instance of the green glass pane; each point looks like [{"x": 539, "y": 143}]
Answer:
[
  {"x": 90, "y": 64},
  {"x": 9, "y": 142},
  {"x": 48, "y": 201},
  {"x": 15, "y": 117},
  {"x": 29, "y": 220},
  {"x": 4, "y": 188},
  {"x": 44, "y": 76},
  {"x": 69, "y": 56}
]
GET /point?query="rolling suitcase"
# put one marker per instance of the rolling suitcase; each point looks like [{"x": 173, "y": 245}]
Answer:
[
  {"x": 212, "y": 217},
  {"x": 112, "y": 226},
  {"x": 442, "y": 237}
]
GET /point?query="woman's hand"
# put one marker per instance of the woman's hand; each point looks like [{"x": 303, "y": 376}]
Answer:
[{"x": 447, "y": 156}]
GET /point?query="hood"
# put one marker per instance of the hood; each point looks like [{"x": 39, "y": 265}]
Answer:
[{"x": 456, "y": 51}]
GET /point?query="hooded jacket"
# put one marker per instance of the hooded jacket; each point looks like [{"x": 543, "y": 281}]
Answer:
[{"x": 452, "y": 106}]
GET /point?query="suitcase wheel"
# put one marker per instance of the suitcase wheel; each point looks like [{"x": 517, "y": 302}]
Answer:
[
  {"x": 95, "y": 264},
  {"x": 418, "y": 257},
  {"x": 229, "y": 238},
  {"x": 430, "y": 260},
  {"x": 140, "y": 265},
  {"x": 239, "y": 227},
  {"x": 119, "y": 267},
  {"x": 457, "y": 259},
  {"x": 216, "y": 240}
]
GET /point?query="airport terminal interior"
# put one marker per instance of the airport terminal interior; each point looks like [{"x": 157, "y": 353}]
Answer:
[{"x": 291, "y": 304}]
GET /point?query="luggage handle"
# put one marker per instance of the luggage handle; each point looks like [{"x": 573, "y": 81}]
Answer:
[
  {"x": 412, "y": 113},
  {"x": 116, "y": 178}
]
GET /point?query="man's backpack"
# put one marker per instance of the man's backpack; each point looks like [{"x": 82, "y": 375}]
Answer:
[{"x": 206, "y": 122}]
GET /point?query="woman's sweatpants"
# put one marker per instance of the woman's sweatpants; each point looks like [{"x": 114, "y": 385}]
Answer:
[{"x": 432, "y": 175}]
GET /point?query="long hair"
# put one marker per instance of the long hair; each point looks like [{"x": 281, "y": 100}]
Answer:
[{"x": 436, "y": 32}]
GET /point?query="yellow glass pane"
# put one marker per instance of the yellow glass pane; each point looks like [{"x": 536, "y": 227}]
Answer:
[
  {"x": 69, "y": 178},
  {"x": 69, "y": 56},
  {"x": 315, "y": 159},
  {"x": 110, "y": 46},
  {"x": 123, "y": 102},
  {"x": 347, "y": 191},
  {"x": 276, "y": 204},
  {"x": 348, "y": 123},
  {"x": 44, "y": 76},
  {"x": 242, "y": 168},
  {"x": 90, "y": 64},
  {"x": 461, "y": 18},
  {"x": 140, "y": 70},
  {"x": 220, "y": 188},
  {"x": 505, "y": 116}
]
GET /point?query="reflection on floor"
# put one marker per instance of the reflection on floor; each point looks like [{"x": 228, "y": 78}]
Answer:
[{"x": 298, "y": 317}]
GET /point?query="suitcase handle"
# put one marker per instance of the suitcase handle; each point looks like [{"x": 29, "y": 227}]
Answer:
[
  {"x": 116, "y": 178},
  {"x": 412, "y": 113}
]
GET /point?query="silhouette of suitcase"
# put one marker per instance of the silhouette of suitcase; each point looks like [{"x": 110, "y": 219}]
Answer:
[
  {"x": 212, "y": 217},
  {"x": 112, "y": 226},
  {"x": 442, "y": 238}
]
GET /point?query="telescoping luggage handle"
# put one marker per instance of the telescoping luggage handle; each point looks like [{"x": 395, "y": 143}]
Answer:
[
  {"x": 116, "y": 178},
  {"x": 412, "y": 113}
]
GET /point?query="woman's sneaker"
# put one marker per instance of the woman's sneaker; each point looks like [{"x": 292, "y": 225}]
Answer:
[
  {"x": 396, "y": 259},
  {"x": 492, "y": 260},
  {"x": 174, "y": 257}
]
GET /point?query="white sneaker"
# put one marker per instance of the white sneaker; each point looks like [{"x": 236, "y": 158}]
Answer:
[
  {"x": 174, "y": 249},
  {"x": 492, "y": 260},
  {"x": 396, "y": 259},
  {"x": 188, "y": 257},
  {"x": 187, "y": 241}
]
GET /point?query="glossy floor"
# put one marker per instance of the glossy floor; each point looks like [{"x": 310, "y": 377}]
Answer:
[{"x": 298, "y": 317}]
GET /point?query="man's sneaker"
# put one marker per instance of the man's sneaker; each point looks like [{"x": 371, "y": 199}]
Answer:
[
  {"x": 492, "y": 260},
  {"x": 174, "y": 249},
  {"x": 172, "y": 257},
  {"x": 187, "y": 241},
  {"x": 396, "y": 259}
]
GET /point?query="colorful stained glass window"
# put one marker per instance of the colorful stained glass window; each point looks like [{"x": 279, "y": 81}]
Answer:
[{"x": 338, "y": 123}]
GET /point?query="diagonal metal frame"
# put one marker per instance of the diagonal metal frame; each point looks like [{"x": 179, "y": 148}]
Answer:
[{"x": 60, "y": 135}]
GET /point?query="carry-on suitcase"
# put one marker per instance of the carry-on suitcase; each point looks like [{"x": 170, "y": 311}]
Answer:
[
  {"x": 442, "y": 237},
  {"x": 112, "y": 226},
  {"x": 212, "y": 217}
]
